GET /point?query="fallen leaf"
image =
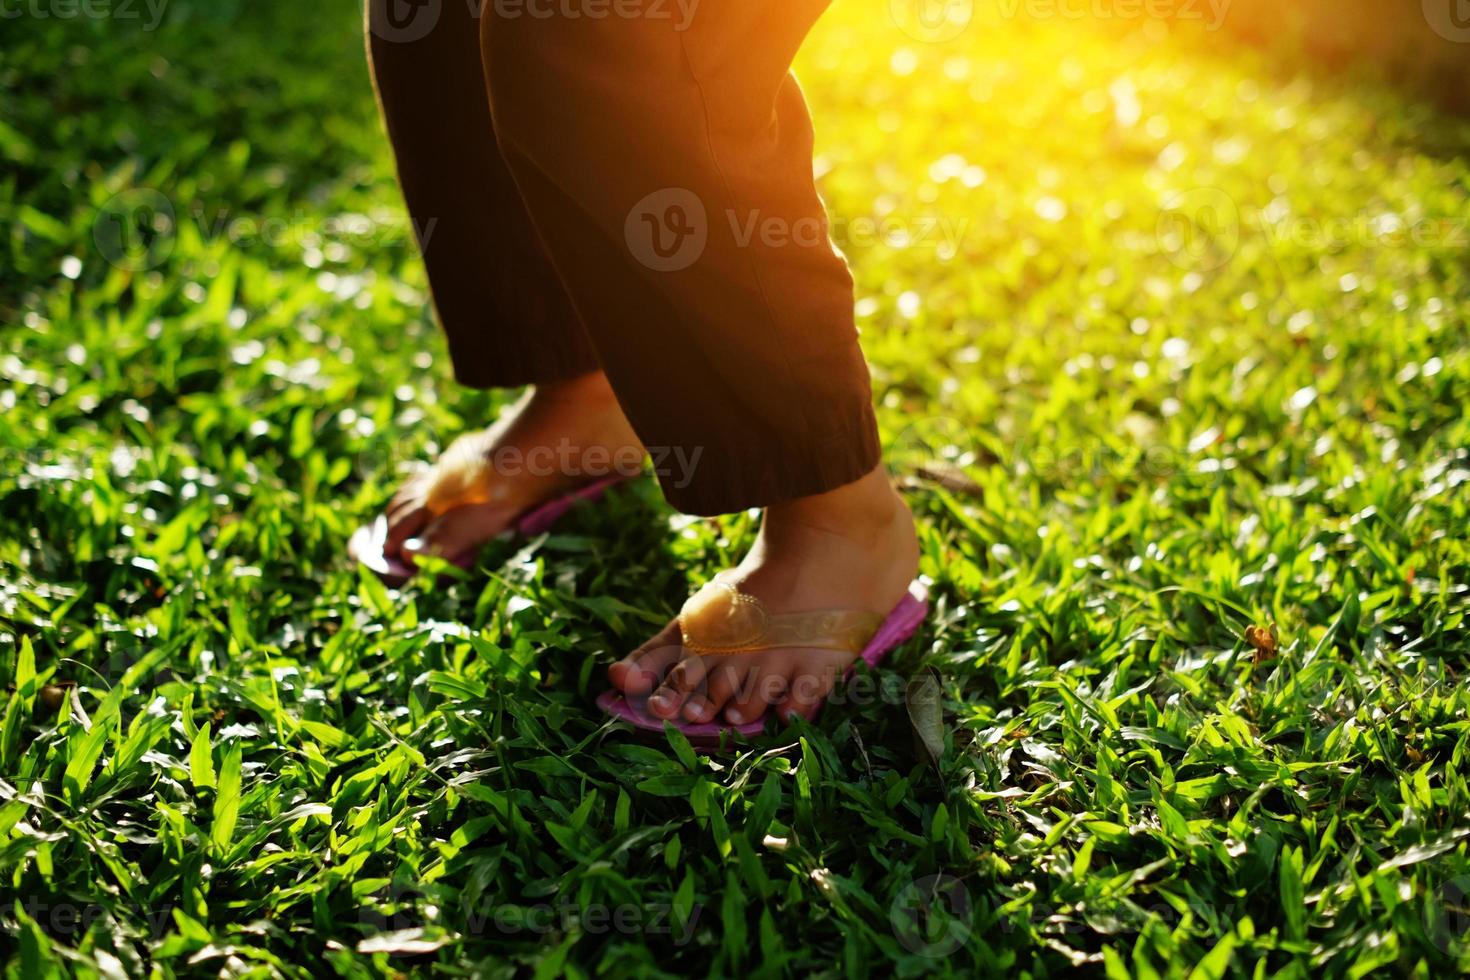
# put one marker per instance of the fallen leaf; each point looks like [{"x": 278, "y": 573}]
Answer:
[
  {"x": 926, "y": 714},
  {"x": 1265, "y": 640}
]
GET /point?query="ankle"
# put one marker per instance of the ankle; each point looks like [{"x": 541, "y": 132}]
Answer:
[
  {"x": 592, "y": 386},
  {"x": 867, "y": 506}
]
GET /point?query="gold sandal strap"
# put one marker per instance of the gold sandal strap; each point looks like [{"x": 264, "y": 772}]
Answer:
[
  {"x": 719, "y": 618},
  {"x": 462, "y": 476}
]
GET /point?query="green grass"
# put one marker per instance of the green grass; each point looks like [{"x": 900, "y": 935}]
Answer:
[{"x": 1156, "y": 367}]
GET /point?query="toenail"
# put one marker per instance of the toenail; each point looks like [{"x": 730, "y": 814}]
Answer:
[{"x": 736, "y": 717}]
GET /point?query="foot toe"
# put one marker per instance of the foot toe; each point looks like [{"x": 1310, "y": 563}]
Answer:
[
  {"x": 456, "y": 534},
  {"x": 698, "y": 709},
  {"x": 809, "y": 685},
  {"x": 764, "y": 685},
  {"x": 403, "y": 524},
  {"x": 721, "y": 684},
  {"x": 640, "y": 671},
  {"x": 685, "y": 679}
]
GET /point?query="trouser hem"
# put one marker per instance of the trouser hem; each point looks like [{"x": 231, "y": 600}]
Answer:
[
  {"x": 731, "y": 477},
  {"x": 481, "y": 366}
]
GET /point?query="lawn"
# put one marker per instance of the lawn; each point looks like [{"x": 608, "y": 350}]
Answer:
[{"x": 1170, "y": 346}]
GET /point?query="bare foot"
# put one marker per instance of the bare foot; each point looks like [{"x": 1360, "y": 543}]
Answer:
[
  {"x": 853, "y": 548},
  {"x": 558, "y": 437}
]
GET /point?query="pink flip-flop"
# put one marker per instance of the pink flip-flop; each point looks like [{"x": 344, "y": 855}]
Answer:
[
  {"x": 900, "y": 624},
  {"x": 366, "y": 543}
]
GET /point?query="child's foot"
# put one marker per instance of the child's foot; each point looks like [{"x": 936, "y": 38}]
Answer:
[
  {"x": 558, "y": 437},
  {"x": 853, "y": 548}
]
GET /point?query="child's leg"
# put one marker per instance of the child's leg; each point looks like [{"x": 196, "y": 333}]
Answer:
[
  {"x": 508, "y": 319},
  {"x": 664, "y": 152},
  {"x": 620, "y": 129}
]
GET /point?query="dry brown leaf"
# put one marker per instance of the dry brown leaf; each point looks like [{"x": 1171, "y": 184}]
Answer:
[
  {"x": 1265, "y": 640},
  {"x": 52, "y": 695},
  {"x": 950, "y": 477}
]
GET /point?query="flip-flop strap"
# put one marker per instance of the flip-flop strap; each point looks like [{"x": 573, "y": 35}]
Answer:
[{"x": 720, "y": 619}]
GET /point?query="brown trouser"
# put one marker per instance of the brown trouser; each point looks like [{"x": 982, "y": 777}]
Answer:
[{"x": 627, "y": 185}]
